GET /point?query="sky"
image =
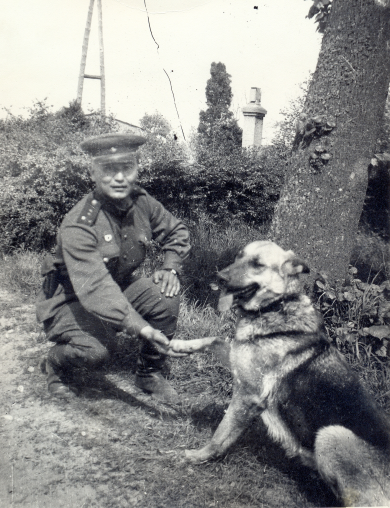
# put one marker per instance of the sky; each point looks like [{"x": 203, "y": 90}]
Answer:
[{"x": 269, "y": 44}]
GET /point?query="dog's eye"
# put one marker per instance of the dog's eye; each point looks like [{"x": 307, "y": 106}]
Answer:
[{"x": 256, "y": 263}]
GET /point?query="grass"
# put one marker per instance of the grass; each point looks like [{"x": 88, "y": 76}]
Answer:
[
  {"x": 131, "y": 447},
  {"x": 21, "y": 271},
  {"x": 214, "y": 248}
]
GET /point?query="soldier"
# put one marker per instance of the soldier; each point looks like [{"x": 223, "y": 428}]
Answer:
[{"x": 90, "y": 291}]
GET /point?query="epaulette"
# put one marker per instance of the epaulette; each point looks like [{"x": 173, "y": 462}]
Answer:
[
  {"x": 137, "y": 191},
  {"x": 90, "y": 211}
]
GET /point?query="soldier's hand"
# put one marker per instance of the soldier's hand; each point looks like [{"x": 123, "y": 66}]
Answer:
[
  {"x": 170, "y": 283},
  {"x": 159, "y": 341}
]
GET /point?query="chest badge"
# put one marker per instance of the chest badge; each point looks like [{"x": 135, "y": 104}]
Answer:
[{"x": 108, "y": 238}]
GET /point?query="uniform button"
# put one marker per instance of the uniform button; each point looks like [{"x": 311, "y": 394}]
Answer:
[
  {"x": 83, "y": 217},
  {"x": 94, "y": 202},
  {"x": 124, "y": 256},
  {"x": 105, "y": 260},
  {"x": 125, "y": 236}
]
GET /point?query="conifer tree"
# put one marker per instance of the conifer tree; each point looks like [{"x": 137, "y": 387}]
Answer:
[{"x": 218, "y": 128}]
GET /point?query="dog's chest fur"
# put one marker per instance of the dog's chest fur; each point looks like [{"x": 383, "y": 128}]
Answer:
[{"x": 260, "y": 353}]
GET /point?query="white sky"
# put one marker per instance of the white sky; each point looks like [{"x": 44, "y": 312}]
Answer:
[{"x": 273, "y": 47}]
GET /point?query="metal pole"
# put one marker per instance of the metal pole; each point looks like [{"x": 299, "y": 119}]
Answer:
[
  {"x": 84, "y": 52},
  {"x": 101, "y": 49}
]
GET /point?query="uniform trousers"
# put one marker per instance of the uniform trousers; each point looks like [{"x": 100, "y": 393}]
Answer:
[{"x": 84, "y": 340}]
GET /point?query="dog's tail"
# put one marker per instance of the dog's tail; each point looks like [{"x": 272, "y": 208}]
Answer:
[{"x": 357, "y": 472}]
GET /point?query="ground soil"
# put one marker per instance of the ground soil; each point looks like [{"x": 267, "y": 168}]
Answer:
[{"x": 116, "y": 447}]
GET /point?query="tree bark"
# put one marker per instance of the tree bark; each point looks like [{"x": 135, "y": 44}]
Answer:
[{"x": 322, "y": 200}]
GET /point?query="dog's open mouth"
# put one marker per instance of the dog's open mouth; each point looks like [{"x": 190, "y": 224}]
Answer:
[
  {"x": 230, "y": 295},
  {"x": 244, "y": 293}
]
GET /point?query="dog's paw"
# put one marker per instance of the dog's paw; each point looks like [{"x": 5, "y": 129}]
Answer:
[{"x": 195, "y": 456}]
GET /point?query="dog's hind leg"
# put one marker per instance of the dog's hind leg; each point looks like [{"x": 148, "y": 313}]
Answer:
[
  {"x": 357, "y": 472},
  {"x": 239, "y": 414}
]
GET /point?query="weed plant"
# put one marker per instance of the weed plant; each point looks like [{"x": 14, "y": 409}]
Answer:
[{"x": 357, "y": 320}]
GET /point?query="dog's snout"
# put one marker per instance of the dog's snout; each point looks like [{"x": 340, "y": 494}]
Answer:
[{"x": 223, "y": 277}]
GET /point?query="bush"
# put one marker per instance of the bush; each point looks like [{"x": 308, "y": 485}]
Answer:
[
  {"x": 213, "y": 248},
  {"x": 242, "y": 186},
  {"x": 357, "y": 320},
  {"x": 43, "y": 172},
  {"x": 163, "y": 164},
  {"x": 357, "y": 315}
]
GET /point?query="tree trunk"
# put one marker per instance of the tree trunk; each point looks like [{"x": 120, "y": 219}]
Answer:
[{"x": 322, "y": 200}]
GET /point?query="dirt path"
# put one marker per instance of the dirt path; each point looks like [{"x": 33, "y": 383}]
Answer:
[
  {"x": 47, "y": 444},
  {"x": 115, "y": 447},
  {"x": 33, "y": 466}
]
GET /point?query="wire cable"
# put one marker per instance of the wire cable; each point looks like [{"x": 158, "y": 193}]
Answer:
[
  {"x": 169, "y": 79},
  {"x": 165, "y": 11}
]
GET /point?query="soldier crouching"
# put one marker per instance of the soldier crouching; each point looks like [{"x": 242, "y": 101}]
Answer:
[{"x": 90, "y": 293}]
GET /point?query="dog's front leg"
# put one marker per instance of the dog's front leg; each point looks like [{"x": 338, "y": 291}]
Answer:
[{"x": 237, "y": 418}]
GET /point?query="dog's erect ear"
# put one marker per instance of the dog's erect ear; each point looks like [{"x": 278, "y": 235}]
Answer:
[{"x": 294, "y": 266}]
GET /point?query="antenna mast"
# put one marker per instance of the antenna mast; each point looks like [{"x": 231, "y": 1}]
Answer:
[{"x": 82, "y": 74}]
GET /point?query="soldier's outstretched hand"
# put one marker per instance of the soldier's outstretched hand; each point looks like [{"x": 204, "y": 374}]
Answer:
[{"x": 159, "y": 341}]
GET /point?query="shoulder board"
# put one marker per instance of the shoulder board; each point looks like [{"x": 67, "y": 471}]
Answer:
[
  {"x": 137, "y": 191},
  {"x": 89, "y": 212}
]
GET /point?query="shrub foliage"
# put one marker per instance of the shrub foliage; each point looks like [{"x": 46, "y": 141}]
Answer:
[
  {"x": 357, "y": 314},
  {"x": 43, "y": 172},
  {"x": 227, "y": 185}
]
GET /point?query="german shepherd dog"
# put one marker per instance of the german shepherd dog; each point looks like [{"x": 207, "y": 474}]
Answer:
[{"x": 285, "y": 369}]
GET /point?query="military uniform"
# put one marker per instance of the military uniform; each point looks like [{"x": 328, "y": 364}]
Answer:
[{"x": 90, "y": 291}]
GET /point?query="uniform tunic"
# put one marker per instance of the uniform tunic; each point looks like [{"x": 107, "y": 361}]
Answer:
[{"x": 98, "y": 249}]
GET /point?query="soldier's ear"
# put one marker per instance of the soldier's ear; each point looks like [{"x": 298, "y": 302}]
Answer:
[
  {"x": 92, "y": 172},
  {"x": 294, "y": 266}
]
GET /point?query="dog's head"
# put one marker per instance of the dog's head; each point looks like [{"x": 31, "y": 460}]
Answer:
[{"x": 261, "y": 274}]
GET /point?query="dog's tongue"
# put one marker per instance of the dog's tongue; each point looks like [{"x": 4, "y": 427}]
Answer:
[{"x": 225, "y": 301}]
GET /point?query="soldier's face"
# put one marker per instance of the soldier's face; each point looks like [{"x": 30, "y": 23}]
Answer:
[{"x": 116, "y": 181}]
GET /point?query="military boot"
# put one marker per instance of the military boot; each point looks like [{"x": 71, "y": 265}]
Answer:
[
  {"x": 150, "y": 379},
  {"x": 59, "y": 383}
]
